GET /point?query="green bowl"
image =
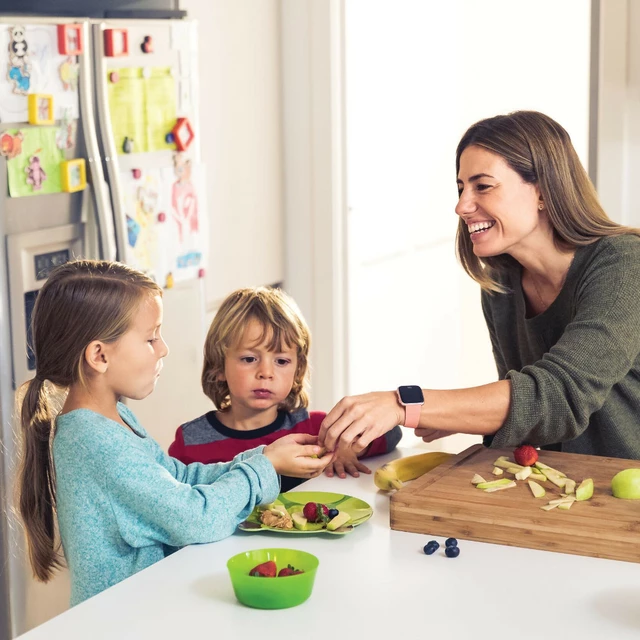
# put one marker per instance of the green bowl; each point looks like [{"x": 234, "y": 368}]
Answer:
[{"x": 272, "y": 593}]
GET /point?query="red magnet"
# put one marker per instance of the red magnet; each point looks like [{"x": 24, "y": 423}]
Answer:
[
  {"x": 162, "y": 216},
  {"x": 114, "y": 76},
  {"x": 70, "y": 39},
  {"x": 136, "y": 173},
  {"x": 147, "y": 45},
  {"x": 201, "y": 273},
  {"x": 116, "y": 42},
  {"x": 183, "y": 134}
]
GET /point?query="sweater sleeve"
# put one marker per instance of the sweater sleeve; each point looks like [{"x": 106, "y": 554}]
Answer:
[
  {"x": 553, "y": 399},
  {"x": 495, "y": 344},
  {"x": 159, "y": 499}
]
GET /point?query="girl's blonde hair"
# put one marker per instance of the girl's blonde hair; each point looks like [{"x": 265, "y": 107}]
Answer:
[
  {"x": 540, "y": 151},
  {"x": 282, "y": 325},
  {"x": 81, "y": 301}
]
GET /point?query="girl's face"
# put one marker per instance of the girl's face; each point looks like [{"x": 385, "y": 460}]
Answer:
[
  {"x": 135, "y": 360},
  {"x": 259, "y": 379},
  {"x": 499, "y": 208}
]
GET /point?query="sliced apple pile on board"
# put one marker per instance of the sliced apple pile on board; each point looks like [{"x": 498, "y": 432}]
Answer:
[{"x": 534, "y": 473}]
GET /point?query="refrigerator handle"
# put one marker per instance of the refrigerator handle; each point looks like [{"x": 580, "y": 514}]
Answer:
[
  {"x": 107, "y": 138},
  {"x": 104, "y": 212}
]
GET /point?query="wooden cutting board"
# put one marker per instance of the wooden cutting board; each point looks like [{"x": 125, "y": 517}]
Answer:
[{"x": 443, "y": 502}]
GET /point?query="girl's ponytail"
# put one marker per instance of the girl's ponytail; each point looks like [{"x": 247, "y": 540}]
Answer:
[{"x": 37, "y": 480}]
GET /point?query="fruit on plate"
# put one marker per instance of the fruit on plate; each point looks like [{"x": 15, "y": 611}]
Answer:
[
  {"x": 342, "y": 518},
  {"x": 265, "y": 570},
  {"x": 626, "y": 484},
  {"x": 299, "y": 521},
  {"x": 392, "y": 475},
  {"x": 525, "y": 455},
  {"x": 585, "y": 490},
  {"x": 315, "y": 512},
  {"x": 289, "y": 570}
]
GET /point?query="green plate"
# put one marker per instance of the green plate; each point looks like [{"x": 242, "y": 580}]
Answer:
[{"x": 294, "y": 501}]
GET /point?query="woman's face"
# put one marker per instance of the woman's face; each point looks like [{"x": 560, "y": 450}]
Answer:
[{"x": 499, "y": 209}]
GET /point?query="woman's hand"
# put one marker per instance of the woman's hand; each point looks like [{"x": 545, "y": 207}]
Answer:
[
  {"x": 358, "y": 420},
  {"x": 345, "y": 461},
  {"x": 291, "y": 456},
  {"x": 429, "y": 435}
]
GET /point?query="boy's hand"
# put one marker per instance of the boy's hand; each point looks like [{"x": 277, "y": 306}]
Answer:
[
  {"x": 291, "y": 456},
  {"x": 346, "y": 461}
]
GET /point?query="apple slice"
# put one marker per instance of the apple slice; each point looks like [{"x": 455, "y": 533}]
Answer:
[
  {"x": 524, "y": 474},
  {"x": 552, "y": 476},
  {"x": 536, "y": 475},
  {"x": 504, "y": 463},
  {"x": 565, "y": 506},
  {"x": 497, "y": 471},
  {"x": 477, "y": 479},
  {"x": 563, "y": 500},
  {"x": 584, "y": 490},
  {"x": 501, "y": 487},
  {"x": 548, "y": 507},
  {"x": 569, "y": 486},
  {"x": 536, "y": 489},
  {"x": 495, "y": 483},
  {"x": 545, "y": 467}
]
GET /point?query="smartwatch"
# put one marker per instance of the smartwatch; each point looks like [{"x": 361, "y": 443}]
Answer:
[{"x": 411, "y": 398}]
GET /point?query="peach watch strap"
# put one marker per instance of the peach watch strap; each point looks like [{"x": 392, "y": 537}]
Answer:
[{"x": 412, "y": 415}]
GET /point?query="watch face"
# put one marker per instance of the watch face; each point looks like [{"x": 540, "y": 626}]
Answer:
[{"x": 411, "y": 394}]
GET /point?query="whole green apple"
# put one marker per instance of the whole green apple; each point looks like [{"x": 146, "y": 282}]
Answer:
[{"x": 626, "y": 484}]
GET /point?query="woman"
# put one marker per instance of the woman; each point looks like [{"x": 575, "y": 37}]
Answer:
[{"x": 561, "y": 297}]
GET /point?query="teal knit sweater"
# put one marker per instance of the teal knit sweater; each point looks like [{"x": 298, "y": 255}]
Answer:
[
  {"x": 123, "y": 504},
  {"x": 575, "y": 368}
]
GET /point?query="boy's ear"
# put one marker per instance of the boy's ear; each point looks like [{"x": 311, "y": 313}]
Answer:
[
  {"x": 220, "y": 377},
  {"x": 95, "y": 357}
]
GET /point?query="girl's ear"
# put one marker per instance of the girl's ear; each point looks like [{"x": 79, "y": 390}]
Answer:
[{"x": 95, "y": 357}]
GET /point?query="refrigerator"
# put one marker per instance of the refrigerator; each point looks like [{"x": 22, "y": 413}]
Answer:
[{"x": 99, "y": 158}]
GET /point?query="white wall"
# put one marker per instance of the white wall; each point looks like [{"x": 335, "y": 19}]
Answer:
[{"x": 417, "y": 77}]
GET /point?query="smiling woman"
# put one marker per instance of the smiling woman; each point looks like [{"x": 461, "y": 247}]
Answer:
[{"x": 560, "y": 296}]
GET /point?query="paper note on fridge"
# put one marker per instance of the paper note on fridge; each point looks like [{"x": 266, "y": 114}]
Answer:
[{"x": 143, "y": 108}]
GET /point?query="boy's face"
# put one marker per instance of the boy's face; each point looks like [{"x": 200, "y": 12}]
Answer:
[{"x": 259, "y": 379}]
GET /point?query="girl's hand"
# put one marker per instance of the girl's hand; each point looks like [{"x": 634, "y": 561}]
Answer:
[
  {"x": 345, "y": 461},
  {"x": 358, "y": 420},
  {"x": 291, "y": 456}
]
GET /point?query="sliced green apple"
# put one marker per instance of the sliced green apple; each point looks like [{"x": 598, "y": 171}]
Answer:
[
  {"x": 342, "y": 518},
  {"x": 477, "y": 479},
  {"x": 500, "y": 488},
  {"x": 537, "y": 490},
  {"x": 497, "y": 471},
  {"x": 524, "y": 474},
  {"x": 584, "y": 490},
  {"x": 495, "y": 483}
]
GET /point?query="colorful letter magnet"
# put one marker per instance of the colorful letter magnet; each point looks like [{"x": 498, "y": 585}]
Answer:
[
  {"x": 40, "y": 107},
  {"x": 116, "y": 42},
  {"x": 70, "y": 39},
  {"x": 183, "y": 134},
  {"x": 73, "y": 175}
]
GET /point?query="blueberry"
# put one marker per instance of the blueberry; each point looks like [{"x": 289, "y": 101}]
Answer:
[
  {"x": 431, "y": 547},
  {"x": 333, "y": 513},
  {"x": 452, "y": 552},
  {"x": 450, "y": 542}
]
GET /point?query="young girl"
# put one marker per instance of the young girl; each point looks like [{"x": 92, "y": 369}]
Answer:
[
  {"x": 255, "y": 372},
  {"x": 120, "y": 501}
]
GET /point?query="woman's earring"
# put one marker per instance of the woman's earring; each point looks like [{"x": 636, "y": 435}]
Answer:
[{"x": 541, "y": 206}]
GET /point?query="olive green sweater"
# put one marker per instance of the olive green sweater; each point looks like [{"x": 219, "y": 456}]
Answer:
[{"x": 575, "y": 368}]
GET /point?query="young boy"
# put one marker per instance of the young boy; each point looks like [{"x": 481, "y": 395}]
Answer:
[{"x": 255, "y": 373}]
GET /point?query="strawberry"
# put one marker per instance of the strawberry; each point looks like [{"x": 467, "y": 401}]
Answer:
[
  {"x": 289, "y": 571},
  {"x": 525, "y": 455},
  {"x": 264, "y": 570},
  {"x": 315, "y": 512}
]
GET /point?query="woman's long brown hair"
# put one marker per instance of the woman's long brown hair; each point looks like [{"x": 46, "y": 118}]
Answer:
[
  {"x": 540, "y": 151},
  {"x": 81, "y": 301}
]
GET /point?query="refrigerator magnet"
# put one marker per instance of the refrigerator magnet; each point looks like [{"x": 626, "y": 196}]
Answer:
[
  {"x": 19, "y": 73},
  {"x": 183, "y": 134},
  {"x": 70, "y": 39},
  {"x": 40, "y": 108},
  {"x": 73, "y": 175},
  {"x": 116, "y": 42},
  {"x": 147, "y": 45}
]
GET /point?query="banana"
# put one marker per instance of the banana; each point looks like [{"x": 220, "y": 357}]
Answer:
[{"x": 392, "y": 475}]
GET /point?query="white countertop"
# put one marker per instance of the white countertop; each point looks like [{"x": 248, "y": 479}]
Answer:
[{"x": 371, "y": 583}]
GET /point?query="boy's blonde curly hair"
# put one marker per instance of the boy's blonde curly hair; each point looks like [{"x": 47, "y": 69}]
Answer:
[{"x": 282, "y": 326}]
